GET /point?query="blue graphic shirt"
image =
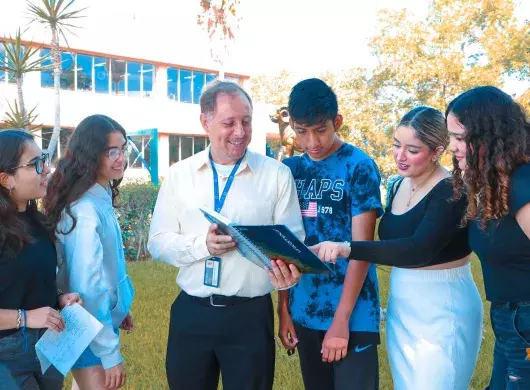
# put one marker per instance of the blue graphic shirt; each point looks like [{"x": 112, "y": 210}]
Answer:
[{"x": 331, "y": 192}]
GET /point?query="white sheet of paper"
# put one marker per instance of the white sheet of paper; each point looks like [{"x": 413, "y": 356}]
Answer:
[{"x": 64, "y": 348}]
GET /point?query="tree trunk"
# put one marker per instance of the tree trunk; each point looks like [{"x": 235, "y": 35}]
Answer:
[
  {"x": 21, "y": 104},
  {"x": 56, "y": 58}
]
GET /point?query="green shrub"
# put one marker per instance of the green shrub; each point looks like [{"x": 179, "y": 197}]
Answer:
[{"x": 136, "y": 204}]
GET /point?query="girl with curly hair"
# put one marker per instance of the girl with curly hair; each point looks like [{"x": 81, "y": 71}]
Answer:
[
  {"x": 490, "y": 141},
  {"x": 80, "y": 204}
]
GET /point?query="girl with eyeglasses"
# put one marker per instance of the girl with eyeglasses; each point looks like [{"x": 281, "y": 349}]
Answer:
[
  {"x": 29, "y": 299},
  {"x": 80, "y": 205}
]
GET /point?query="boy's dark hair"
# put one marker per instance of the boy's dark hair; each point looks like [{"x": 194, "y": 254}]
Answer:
[{"x": 312, "y": 101}]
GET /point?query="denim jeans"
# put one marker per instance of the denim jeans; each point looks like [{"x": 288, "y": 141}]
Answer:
[
  {"x": 511, "y": 356},
  {"x": 21, "y": 370}
]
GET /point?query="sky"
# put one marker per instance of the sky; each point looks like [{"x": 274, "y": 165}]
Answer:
[{"x": 304, "y": 37}]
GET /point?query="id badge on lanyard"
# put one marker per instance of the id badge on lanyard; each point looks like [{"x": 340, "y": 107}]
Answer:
[{"x": 212, "y": 266}]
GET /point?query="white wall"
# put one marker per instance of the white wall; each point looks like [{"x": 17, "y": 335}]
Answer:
[{"x": 134, "y": 113}]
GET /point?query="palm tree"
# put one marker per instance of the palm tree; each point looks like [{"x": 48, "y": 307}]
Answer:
[
  {"x": 56, "y": 15},
  {"x": 219, "y": 19},
  {"x": 19, "y": 60},
  {"x": 14, "y": 119}
]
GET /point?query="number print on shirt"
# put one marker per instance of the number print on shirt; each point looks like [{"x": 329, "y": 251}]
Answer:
[{"x": 325, "y": 210}]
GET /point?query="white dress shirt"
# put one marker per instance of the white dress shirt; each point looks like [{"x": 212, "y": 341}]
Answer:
[{"x": 262, "y": 192}]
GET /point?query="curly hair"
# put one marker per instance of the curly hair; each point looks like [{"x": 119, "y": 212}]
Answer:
[
  {"x": 497, "y": 143},
  {"x": 14, "y": 230},
  {"x": 77, "y": 171}
]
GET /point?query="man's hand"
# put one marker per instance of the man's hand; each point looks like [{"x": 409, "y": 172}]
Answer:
[
  {"x": 329, "y": 251},
  {"x": 335, "y": 344},
  {"x": 283, "y": 277},
  {"x": 218, "y": 244},
  {"x": 286, "y": 332},
  {"x": 69, "y": 299},
  {"x": 128, "y": 323}
]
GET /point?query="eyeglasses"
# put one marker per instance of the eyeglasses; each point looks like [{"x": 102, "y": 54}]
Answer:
[
  {"x": 39, "y": 164},
  {"x": 114, "y": 153}
]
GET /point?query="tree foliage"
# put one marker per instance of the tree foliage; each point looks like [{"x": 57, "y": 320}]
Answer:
[{"x": 460, "y": 44}]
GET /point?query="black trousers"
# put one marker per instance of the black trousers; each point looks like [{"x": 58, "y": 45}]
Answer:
[
  {"x": 358, "y": 371},
  {"x": 236, "y": 340}
]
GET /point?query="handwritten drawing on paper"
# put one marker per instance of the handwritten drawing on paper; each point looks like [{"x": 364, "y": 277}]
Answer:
[{"x": 64, "y": 348}]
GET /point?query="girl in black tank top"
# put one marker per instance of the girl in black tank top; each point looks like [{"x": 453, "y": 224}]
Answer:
[{"x": 434, "y": 316}]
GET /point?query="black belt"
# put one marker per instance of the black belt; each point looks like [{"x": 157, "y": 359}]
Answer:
[{"x": 221, "y": 300}]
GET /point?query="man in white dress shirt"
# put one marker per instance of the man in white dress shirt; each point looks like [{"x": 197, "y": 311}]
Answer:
[{"x": 222, "y": 324}]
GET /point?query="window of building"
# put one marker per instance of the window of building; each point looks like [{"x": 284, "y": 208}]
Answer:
[
  {"x": 84, "y": 72},
  {"x": 46, "y": 76},
  {"x": 67, "y": 79},
  {"x": 140, "y": 79},
  {"x": 233, "y": 79},
  {"x": 199, "y": 144},
  {"x": 118, "y": 68},
  {"x": 210, "y": 77},
  {"x": 148, "y": 78},
  {"x": 2, "y": 59},
  {"x": 101, "y": 74},
  {"x": 134, "y": 78},
  {"x": 143, "y": 147},
  {"x": 198, "y": 84},
  {"x": 10, "y": 76},
  {"x": 172, "y": 83},
  {"x": 185, "y": 85},
  {"x": 68, "y": 71},
  {"x": 185, "y": 78},
  {"x": 184, "y": 146},
  {"x": 6, "y": 76}
]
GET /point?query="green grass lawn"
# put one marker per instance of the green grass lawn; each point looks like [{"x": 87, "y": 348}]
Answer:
[{"x": 145, "y": 349}]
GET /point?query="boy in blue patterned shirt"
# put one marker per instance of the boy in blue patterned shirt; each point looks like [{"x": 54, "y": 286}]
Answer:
[{"x": 333, "y": 320}]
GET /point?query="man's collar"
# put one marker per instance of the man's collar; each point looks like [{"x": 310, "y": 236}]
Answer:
[{"x": 203, "y": 161}]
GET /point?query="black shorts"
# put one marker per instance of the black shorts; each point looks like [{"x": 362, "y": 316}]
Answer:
[{"x": 359, "y": 370}]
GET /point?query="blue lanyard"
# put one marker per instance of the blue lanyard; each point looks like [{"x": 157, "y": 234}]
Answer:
[{"x": 219, "y": 202}]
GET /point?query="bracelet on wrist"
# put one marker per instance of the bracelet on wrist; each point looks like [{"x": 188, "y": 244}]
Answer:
[{"x": 19, "y": 318}]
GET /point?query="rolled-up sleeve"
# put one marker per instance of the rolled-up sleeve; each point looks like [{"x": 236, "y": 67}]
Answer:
[
  {"x": 166, "y": 242},
  {"x": 84, "y": 261}
]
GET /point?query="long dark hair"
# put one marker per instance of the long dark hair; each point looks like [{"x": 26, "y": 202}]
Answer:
[
  {"x": 14, "y": 230},
  {"x": 77, "y": 171},
  {"x": 496, "y": 124}
]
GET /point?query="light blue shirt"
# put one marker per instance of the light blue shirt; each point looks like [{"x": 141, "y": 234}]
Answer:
[{"x": 92, "y": 263}]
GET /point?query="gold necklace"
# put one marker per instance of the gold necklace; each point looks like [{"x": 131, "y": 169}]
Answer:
[{"x": 415, "y": 190}]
